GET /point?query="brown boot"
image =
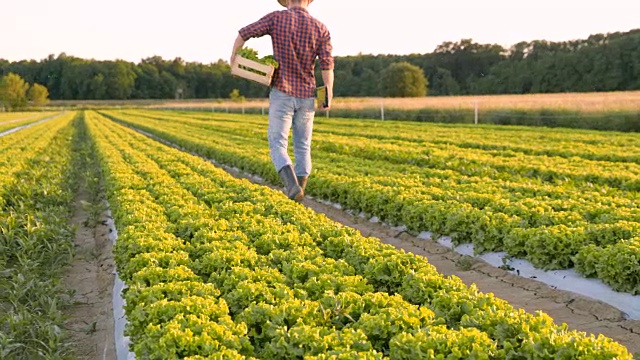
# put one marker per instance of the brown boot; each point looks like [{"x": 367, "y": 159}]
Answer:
[
  {"x": 294, "y": 191},
  {"x": 302, "y": 181}
]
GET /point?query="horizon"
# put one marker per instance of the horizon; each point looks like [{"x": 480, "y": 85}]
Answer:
[{"x": 179, "y": 32}]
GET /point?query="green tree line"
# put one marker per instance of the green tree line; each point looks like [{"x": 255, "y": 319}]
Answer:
[
  {"x": 602, "y": 62},
  {"x": 15, "y": 93}
]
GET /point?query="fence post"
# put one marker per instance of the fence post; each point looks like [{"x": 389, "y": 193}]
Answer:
[
  {"x": 382, "y": 111},
  {"x": 262, "y": 108},
  {"x": 476, "y": 113},
  {"x": 242, "y": 109}
]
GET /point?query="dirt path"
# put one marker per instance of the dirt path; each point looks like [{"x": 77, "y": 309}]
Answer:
[{"x": 91, "y": 275}]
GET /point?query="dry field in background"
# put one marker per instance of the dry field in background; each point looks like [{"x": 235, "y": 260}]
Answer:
[{"x": 586, "y": 102}]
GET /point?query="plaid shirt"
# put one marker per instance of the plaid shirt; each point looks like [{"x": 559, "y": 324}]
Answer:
[{"x": 298, "y": 38}]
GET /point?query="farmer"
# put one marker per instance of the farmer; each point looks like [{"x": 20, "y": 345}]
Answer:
[{"x": 298, "y": 38}]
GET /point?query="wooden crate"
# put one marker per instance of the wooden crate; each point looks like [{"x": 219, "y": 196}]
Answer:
[{"x": 266, "y": 70}]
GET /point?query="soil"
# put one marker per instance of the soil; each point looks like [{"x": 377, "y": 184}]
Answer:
[{"x": 91, "y": 275}]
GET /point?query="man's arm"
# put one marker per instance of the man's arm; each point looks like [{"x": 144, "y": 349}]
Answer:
[
  {"x": 236, "y": 47},
  {"x": 257, "y": 29},
  {"x": 326, "y": 65}
]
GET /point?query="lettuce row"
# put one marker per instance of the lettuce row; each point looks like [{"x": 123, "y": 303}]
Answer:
[{"x": 36, "y": 238}]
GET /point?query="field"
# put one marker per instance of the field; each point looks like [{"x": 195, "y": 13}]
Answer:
[
  {"x": 625, "y": 101},
  {"x": 614, "y": 111},
  {"x": 557, "y": 198},
  {"x": 582, "y": 102},
  {"x": 220, "y": 267},
  {"x": 36, "y": 182}
]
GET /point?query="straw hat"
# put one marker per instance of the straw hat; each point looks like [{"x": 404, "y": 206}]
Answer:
[{"x": 284, "y": 2}]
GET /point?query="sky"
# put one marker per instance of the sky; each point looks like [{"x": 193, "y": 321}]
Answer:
[{"x": 204, "y": 31}]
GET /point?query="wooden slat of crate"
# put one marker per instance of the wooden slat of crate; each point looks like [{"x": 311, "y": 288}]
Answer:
[{"x": 261, "y": 79}]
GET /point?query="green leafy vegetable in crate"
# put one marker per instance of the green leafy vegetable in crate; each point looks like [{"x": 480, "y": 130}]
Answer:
[{"x": 251, "y": 54}]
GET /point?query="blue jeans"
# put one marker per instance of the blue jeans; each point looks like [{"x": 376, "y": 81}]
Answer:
[{"x": 285, "y": 112}]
